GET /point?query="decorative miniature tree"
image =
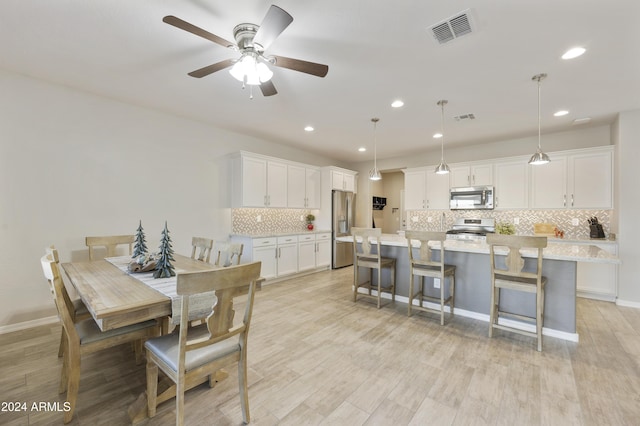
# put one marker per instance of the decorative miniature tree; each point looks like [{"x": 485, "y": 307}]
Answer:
[
  {"x": 164, "y": 268},
  {"x": 140, "y": 247}
]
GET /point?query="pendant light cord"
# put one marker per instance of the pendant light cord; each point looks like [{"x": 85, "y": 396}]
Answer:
[
  {"x": 539, "y": 145},
  {"x": 442, "y": 103},
  {"x": 375, "y": 143}
]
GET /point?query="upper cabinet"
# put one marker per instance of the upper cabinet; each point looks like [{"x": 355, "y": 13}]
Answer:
[
  {"x": 576, "y": 180},
  {"x": 261, "y": 181},
  {"x": 471, "y": 175},
  {"x": 425, "y": 189},
  {"x": 303, "y": 187},
  {"x": 343, "y": 180},
  {"x": 511, "y": 184}
]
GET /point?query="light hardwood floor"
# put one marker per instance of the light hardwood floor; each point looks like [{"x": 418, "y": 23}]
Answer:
[{"x": 316, "y": 357}]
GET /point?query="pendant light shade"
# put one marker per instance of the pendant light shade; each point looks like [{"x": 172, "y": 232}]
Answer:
[
  {"x": 374, "y": 174},
  {"x": 539, "y": 157},
  {"x": 443, "y": 168}
]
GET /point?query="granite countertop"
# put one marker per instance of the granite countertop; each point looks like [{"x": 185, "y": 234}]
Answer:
[
  {"x": 281, "y": 233},
  {"x": 578, "y": 252}
]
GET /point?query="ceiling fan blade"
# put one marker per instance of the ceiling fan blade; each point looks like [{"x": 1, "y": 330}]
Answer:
[
  {"x": 210, "y": 69},
  {"x": 273, "y": 24},
  {"x": 268, "y": 89},
  {"x": 184, "y": 25},
  {"x": 312, "y": 68}
]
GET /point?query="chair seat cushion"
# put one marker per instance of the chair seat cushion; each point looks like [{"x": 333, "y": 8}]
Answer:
[
  {"x": 448, "y": 269},
  {"x": 167, "y": 348},
  {"x": 89, "y": 332}
]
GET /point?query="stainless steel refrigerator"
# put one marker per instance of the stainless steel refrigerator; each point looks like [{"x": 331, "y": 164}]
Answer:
[{"x": 342, "y": 218}]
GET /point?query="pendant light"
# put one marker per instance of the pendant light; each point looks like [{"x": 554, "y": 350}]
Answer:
[
  {"x": 374, "y": 174},
  {"x": 442, "y": 168},
  {"x": 539, "y": 157}
]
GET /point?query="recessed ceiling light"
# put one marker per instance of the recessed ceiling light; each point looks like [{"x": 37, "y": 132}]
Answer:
[
  {"x": 582, "y": 120},
  {"x": 573, "y": 53},
  {"x": 397, "y": 103},
  {"x": 362, "y": 149},
  {"x": 308, "y": 129},
  {"x": 437, "y": 135},
  {"x": 560, "y": 113}
]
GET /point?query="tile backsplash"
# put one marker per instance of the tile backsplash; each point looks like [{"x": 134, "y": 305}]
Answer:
[
  {"x": 262, "y": 221},
  {"x": 431, "y": 220}
]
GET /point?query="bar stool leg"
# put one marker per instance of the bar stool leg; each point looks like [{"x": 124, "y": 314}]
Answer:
[{"x": 410, "y": 294}]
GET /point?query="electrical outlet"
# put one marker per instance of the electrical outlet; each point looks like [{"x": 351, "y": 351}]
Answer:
[
  {"x": 436, "y": 283},
  {"x": 259, "y": 218},
  {"x": 301, "y": 218},
  {"x": 575, "y": 221},
  {"x": 414, "y": 219},
  {"x": 429, "y": 219},
  {"x": 516, "y": 221}
]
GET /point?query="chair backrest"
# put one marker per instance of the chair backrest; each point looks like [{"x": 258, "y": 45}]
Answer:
[
  {"x": 227, "y": 283},
  {"x": 110, "y": 242},
  {"x": 63, "y": 303},
  {"x": 203, "y": 246},
  {"x": 362, "y": 236},
  {"x": 514, "y": 262},
  {"x": 425, "y": 255},
  {"x": 226, "y": 252}
]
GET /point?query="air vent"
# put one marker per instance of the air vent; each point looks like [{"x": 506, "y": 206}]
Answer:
[
  {"x": 465, "y": 117},
  {"x": 454, "y": 27}
]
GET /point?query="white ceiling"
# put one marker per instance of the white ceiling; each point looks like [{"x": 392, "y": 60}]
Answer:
[{"x": 377, "y": 51}]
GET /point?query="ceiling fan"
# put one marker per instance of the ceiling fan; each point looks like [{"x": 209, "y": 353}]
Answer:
[{"x": 251, "y": 41}]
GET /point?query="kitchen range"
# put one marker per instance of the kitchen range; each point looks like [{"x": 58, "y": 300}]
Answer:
[{"x": 471, "y": 229}]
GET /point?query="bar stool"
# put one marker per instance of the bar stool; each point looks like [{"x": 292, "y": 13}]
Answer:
[
  {"x": 364, "y": 257},
  {"x": 514, "y": 278},
  {"x": 425, "y": 266}
]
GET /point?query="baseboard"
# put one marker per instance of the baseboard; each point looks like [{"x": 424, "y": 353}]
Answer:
[
  {"x": 628, "y": 303},
  {"x": 572, "y": 337},
  {"x": 596, "y": 296},
  {"x": 28, "y": 324},
  {"x": 295, "y": 275}
]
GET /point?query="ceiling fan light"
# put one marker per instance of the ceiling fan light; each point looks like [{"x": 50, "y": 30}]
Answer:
[
  {"x": 237, "y": 71},
  {"x": 264, "y": 73}
]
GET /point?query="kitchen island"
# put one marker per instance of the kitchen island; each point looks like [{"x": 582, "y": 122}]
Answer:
[{"x": 473, "y": 287}]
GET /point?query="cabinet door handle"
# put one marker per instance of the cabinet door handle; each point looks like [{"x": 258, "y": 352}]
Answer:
[
  {"x": 496, "y": 200},
  {"x": 571, "y": 200},
  {"x": 564, "y": 200}
]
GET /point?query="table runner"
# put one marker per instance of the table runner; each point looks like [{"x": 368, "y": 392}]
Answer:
[{"x": 199, "y": 305}]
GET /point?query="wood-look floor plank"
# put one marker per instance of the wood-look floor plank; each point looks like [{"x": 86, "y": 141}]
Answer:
[{"x": 315, "y": 357}]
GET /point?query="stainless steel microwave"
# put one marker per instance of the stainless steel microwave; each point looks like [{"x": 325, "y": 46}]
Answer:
[{"x": 471, "y": 198}]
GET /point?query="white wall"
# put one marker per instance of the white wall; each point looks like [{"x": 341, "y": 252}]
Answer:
[
  {"x": 628, "y": 200},
  {"x": 73, "y": 164}
]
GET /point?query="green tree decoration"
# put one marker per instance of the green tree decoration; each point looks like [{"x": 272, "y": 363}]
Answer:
[
  {"x": 140, "y": 247},
  {"x": 164, "y": 268}
]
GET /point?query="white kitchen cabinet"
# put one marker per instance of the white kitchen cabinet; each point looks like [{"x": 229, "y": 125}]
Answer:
[
  {"x": 590, "y": 180},
  {"x": 511, "y": 184},
  {"x": 287, "y": 255},
  {"x": 265, "y": 250},
  {"x": 578, "y": 180},
  {"x": 415, "y": 190},
  {"x": 342, "y": 180},
  {"x": 306, "y": 252},
  {"x": 471, "y": 175},
  {"x": 259, "y": 182},
  {"x": 437, "y": 191},
  {"x": 424, "y": 189},
  {"x": 303, "y": 187},
  {"x": 323, "y": 250},
  {"x": 598, "y": 280}
]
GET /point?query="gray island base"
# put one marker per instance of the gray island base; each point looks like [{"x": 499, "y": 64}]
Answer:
[{"x": 473, "y": 288}]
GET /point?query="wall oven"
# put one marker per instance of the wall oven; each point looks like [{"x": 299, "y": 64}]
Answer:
[{"x": 471, "y": 198}]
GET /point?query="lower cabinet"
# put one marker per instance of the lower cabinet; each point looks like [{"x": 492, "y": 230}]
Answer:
[
  {"x": 287, "y": 254},
  {"x": 598, "y": 280}
]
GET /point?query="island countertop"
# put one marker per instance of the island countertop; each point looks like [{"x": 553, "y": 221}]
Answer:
[{"x": 554, "y": 250}]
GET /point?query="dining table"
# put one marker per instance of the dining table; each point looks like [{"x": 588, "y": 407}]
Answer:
[{"x": 117, "y": 298}]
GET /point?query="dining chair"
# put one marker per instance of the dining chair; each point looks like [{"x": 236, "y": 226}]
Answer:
[
  {"x": 198, "y": 352},
  {"x": 83, "y": 338},
  {"x": 365, "y": 257},
  {"x": 110, "y": 243},
  {"x": 515, "y": 278},
  {"x": 79, "y": 311},
  {"x": 226, "y": 252},
  {"x": 424, "y": 265},
  {"x": 203, "y": 246}
]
